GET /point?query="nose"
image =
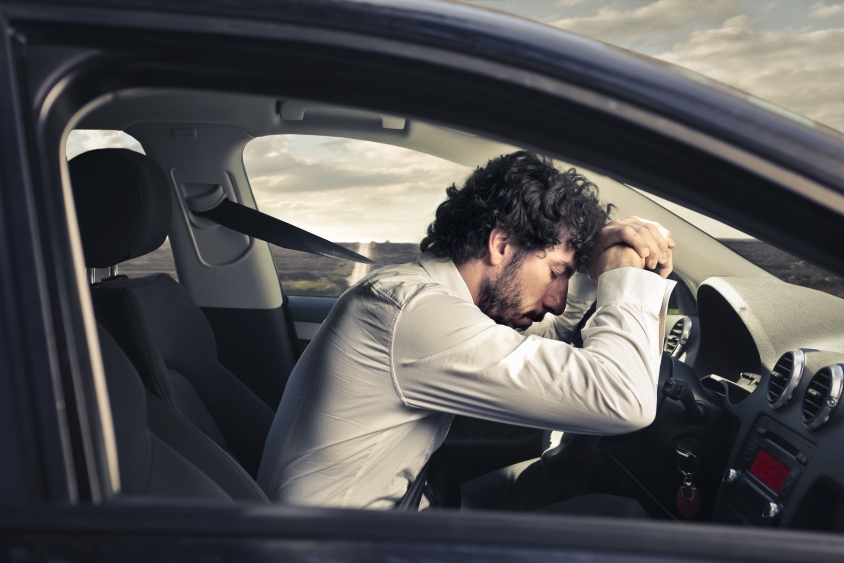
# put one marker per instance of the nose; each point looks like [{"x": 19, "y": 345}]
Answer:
[{"x": 554, "y": 300}]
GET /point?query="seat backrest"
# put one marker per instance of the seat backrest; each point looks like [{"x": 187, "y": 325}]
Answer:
[
  {"x": 124, "y": 206},
  {"x": 148, "y": 466},
  {"x": 167, "y": 337}
]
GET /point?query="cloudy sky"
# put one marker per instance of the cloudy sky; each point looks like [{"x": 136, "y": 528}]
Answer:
[
  {"x": 787, "y": 52},
  {"x": 348, "y": 190}
]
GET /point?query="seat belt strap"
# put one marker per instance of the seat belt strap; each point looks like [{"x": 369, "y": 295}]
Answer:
[
  {"x": 253, "y": 223},
  {"x": 413, "y": 496}
]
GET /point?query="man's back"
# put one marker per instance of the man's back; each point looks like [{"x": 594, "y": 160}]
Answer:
[{"x": 343, "y": 436}]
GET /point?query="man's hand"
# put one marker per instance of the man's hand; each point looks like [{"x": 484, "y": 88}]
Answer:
[
  {"x": 650, "y": 241},
  {"x": 614, "y": 257}
]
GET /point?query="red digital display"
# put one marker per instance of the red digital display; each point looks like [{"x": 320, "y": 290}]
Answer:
[{"x": 771, "y": 471}]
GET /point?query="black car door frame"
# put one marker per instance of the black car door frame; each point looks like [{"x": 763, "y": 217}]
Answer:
[
  {"x": 40, "y": 374},
  {"x": 55, "y": 360}
]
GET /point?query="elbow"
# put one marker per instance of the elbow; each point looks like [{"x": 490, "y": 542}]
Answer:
[
  {"x": 643, "y": 418},
  {"x": 642, "y": 413},
  {"x": 637, "y": 415}
]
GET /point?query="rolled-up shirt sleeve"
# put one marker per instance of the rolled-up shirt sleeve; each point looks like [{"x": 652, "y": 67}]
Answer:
[{"x": 447, "y": 356}]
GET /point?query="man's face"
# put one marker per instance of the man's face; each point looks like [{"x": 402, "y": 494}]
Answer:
[{"x": 528, "y": 285}]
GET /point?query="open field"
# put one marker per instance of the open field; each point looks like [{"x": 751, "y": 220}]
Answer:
[
  {"x": 158, "y": 261},
  {"x": 307, "y": 274}
]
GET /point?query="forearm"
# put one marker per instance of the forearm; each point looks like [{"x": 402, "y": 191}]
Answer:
[
  {"x": 488, "y": 371},
  {"x": 581, "y": 295}
]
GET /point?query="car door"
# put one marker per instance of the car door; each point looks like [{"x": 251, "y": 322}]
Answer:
[{"x": 436, "y": 61}]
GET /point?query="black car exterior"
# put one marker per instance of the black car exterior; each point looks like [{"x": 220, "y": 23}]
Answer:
[{"x": 698, "y": 144}]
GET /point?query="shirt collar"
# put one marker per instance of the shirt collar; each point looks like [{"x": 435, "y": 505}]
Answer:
[{"x": 444, "y": 272}]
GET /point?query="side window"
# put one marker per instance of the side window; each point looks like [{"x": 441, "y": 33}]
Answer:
[
  {"x": 374, "y": 199},
  {"x": 84, "y": 140}
]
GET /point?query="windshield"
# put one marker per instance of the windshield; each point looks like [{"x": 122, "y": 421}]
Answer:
[{"x": 783, "y": 265}]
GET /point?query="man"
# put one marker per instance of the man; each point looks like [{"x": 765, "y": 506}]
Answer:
[{"x": 410, "y": 346}]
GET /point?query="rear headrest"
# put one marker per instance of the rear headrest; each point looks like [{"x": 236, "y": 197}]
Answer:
[{"x": 123, "y": 205}]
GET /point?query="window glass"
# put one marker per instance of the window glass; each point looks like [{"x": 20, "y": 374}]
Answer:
[
  {"x": 374, "y": 199},
  {"x": 84, "y": 140},
  {"x": 781, "y": 264},
  {"x": 377, "y": 200}
]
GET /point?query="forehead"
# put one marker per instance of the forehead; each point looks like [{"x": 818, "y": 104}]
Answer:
[{"x": 562, "y": 254}]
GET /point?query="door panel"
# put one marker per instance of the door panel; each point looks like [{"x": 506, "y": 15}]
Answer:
[{"x": 308, "y": 313}]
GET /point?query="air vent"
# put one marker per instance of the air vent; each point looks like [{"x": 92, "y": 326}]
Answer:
[
  {"x": 785, "y": 377},
  {"x": 678, "y": 337},
  {"x": 822, "y": 396}
]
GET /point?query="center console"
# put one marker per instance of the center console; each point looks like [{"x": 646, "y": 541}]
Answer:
[{"x": 770, "y": 463}]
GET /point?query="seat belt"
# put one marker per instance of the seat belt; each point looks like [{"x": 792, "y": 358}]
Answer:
[
  {"x": 413, "y": 496},
  {"x": 251, "y": 222},
  {"x": 577, "y": 341}
]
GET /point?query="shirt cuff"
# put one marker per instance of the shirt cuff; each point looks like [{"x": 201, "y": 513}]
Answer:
[
  {"x": 582, "y": 288},
  {"x": 646, "y": 289}
]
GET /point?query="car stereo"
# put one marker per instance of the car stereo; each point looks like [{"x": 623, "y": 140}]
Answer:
[{"x": 769, "y": 465}]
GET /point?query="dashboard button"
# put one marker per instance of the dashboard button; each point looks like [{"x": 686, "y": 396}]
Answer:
[
  {"x": 771, "y": 512},
  {"x": 731, "y": 476},
  {"x": 802, "y": 458}
]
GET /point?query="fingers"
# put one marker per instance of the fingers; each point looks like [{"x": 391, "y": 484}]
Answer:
[
  {"x": 616, "y": 256},
  {"x": 663, "y": 231},
  {"x": 649, "y": 239},
  {"x": 665, "y": 268},
  {"x": 629, "y": 236}
]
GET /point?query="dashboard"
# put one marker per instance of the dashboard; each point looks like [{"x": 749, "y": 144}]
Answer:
[{"x": 770, "y": 363}]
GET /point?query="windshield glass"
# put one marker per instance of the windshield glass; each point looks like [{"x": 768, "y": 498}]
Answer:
[{"x": 781, "y": 264}]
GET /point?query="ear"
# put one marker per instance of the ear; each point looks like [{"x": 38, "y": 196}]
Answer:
[{"x": 497, "y": 247}]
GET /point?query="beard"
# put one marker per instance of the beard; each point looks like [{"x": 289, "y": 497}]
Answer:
[{"x": 501, "y": 298}]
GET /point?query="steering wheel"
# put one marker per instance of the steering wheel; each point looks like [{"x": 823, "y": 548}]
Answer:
[{"x": 574, "y": 447}]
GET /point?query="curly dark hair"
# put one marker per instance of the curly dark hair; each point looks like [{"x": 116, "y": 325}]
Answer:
[{"x": 527, "y": 197}]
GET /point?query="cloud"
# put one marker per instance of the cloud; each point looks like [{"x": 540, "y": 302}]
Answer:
[
  {"x": 775, "y": 55},
  {"x": 801, "y": 70},
  {"x": 650, "y": 27},
  {"x": 825, "y": 10},
  {"x": 84, "y": 140},
  {"x": 348, "y": 190}
]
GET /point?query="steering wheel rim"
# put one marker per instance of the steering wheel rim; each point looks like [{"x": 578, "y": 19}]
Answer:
[{"x": 575, "y": 447}]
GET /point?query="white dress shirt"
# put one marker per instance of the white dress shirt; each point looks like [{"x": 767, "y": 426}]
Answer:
[{"x": 406, "y": 349}]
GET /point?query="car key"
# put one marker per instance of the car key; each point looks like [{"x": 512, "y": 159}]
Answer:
[{"x": 688, "y": 496}]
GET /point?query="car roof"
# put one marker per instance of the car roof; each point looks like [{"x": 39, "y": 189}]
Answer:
[{"x": 770, "y": 148}]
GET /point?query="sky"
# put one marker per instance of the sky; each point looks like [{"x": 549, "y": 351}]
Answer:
[
  {"x": 348, "y": 190},
  {"x": 787, "y": 52}
]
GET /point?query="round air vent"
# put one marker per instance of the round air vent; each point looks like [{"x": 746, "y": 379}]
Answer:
[
  {"x": 677, "y": 338},
  {"x": 822, "y": 396},
  {"x": 785, "y": 377}
]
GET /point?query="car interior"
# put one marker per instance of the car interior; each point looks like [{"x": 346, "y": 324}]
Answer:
[{"x": 195, "y": 368}]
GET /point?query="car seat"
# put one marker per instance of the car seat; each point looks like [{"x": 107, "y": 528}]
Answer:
[
  {"x": 148, "y": 466},
  {"x": 123, "y": 204}
]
